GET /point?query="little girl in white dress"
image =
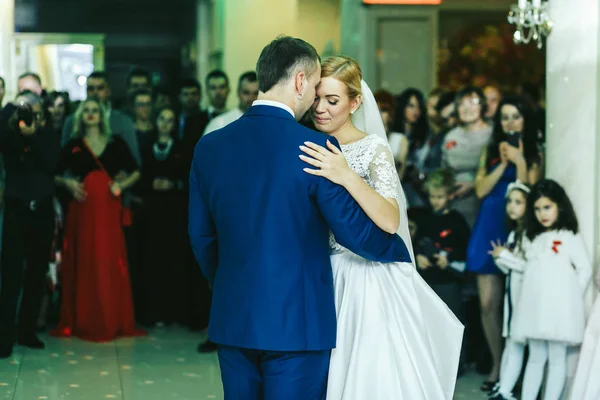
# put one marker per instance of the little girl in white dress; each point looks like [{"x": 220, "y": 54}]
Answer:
[
  {"x": 510, "y": 259},
  {"x": 551, "y": 311}
]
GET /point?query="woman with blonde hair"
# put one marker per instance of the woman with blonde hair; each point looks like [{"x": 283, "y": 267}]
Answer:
[
  {"x": 395, "y": 339},
  {"x": 96, "y": 168}
]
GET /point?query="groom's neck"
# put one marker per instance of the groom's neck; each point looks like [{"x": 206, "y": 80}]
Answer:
[{"x": 278, "y": 96}]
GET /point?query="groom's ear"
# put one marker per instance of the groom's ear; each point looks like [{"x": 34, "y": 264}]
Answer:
[{"x": 300, "y": 82}]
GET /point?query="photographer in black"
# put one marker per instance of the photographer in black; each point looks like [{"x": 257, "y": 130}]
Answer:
[{"x": 30, "y": 156}]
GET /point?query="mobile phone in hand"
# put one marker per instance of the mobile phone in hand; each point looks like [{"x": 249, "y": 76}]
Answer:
[{"x": 513, "y": 138}]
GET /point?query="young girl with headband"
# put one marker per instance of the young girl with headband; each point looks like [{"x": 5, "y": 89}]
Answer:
[{"x": 510, "y": 259}]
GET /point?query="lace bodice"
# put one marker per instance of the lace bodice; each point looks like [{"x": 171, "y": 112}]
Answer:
[{"x": 371, "y": 158}]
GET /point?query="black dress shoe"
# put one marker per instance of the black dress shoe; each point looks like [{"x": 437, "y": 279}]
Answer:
[
  {"x": 31, "y": 342},
  {"x": 5, "y": 351},
  {"x": 207, "y": 347},
  {"x": 488, "y": 386},
  {"x": 499, "y": 396}
]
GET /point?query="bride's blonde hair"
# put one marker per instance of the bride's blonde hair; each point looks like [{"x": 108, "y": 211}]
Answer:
[{"x": 346, "y": 70}]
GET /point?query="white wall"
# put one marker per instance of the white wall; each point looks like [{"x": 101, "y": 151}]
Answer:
[
  {"x": 246, "y": 27},
  {"x": 7, "y": 24},
  {"x": 240, "y": 29},
  {"x": 319, "y": 23}
]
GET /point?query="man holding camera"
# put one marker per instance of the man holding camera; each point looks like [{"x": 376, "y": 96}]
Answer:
[{"x": 30, "y": 155}]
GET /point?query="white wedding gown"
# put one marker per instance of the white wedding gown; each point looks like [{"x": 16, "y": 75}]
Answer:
[{"x": 396, "y": 339}]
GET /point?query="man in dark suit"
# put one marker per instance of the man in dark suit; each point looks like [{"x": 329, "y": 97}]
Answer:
[
  {"x": 192, "y": 122},
  {"x": 217, "y": 91},
  {"x": 259, "y": 227}
]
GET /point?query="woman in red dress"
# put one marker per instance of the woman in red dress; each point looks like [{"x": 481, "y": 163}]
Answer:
[{"x": 95, "y": 167}]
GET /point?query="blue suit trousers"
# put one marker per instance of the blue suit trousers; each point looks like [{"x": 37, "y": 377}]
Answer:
[{"x": 256, "y": 375}]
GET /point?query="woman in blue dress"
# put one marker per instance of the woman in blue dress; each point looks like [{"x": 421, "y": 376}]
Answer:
[{"x": 512, "y": 154}]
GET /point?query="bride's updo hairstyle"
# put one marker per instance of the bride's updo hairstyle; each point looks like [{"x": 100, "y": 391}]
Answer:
[{"x": 346, "y": 70}]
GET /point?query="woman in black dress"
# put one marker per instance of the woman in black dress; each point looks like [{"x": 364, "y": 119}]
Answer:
[{"x": 165, "y": 273}]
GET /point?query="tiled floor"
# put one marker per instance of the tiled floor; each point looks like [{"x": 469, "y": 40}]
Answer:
[{"x": 162, "y": 366}]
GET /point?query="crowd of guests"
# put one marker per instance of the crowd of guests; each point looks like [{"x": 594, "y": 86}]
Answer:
[
  {"x": 105, "y": 191},
  {"x": 487, "y": 226},
  {"x": 469, "y": 161},
  {"x": 482, "y": 140}
]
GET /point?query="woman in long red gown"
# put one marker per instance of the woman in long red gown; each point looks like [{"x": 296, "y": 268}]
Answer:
[{"x": 95, "y": 167}]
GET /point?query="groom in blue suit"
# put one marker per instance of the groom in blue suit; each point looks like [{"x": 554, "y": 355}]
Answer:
[{"x": 259, "y": 227}]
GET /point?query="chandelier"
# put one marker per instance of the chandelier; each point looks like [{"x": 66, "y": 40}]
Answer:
[{"x": 531, "y": 20}]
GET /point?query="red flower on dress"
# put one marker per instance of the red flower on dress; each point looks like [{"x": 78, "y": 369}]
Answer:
[
  {"x": 555, "y": 245},
  {"x": 75, "y": 150},
  {"x": 450, "y": 144},
  {"x": 445, "y": 233}
]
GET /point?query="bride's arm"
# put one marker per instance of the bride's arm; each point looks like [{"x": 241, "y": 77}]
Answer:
[
  {"x": 380, "y": 208},
  {"x": 383, "y": 211}
]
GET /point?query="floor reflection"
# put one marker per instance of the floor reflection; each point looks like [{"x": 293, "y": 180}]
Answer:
[{"x": 164, "y": 365}]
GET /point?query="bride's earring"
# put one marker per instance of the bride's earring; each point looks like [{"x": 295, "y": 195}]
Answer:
[{"x": 300, "y": 96}]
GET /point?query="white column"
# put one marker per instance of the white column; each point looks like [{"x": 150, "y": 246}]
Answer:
[
  {"x": 204, "y": 35},
  {"x": 7, "y": 28},
  {"x": 573, "y": 104},
  {"x": 573, "y": 122}
]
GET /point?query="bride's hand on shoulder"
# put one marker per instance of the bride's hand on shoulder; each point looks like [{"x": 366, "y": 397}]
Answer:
[{"x": 329, "y": 162}]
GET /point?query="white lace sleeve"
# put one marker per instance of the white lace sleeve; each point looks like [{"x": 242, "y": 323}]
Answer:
[
  {"x": 384, "y": 179},
  {"x": 383, "y": 175}
]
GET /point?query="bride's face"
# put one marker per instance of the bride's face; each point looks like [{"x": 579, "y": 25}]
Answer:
[{"x": 332, "y": 106}]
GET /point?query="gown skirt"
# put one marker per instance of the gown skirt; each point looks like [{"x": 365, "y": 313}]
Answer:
[
  {"x": 396, "y": 339},
  {"x": 96, "y": 300},
  {"x": 587, "y": 385}
]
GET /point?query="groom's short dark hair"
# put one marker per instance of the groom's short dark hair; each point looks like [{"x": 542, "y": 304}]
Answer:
[{"x": 283, "y": 57}]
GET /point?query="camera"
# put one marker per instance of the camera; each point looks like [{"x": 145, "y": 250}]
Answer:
[
  {"x": 24, "y": 113},
  {"x": 22, "y": 116}
]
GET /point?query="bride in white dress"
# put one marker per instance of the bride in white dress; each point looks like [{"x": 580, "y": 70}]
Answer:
[{"x": 396, "y": 339}]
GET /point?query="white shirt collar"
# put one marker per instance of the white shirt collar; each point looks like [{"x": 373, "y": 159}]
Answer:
[
  {"x": 274, "y": 104},
  {"x": 212, "y": 110},
  {"x": 108, "y": 109}
]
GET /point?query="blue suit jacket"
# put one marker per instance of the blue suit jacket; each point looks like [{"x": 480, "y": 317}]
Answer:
[{"x": 259, "y": 227}]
